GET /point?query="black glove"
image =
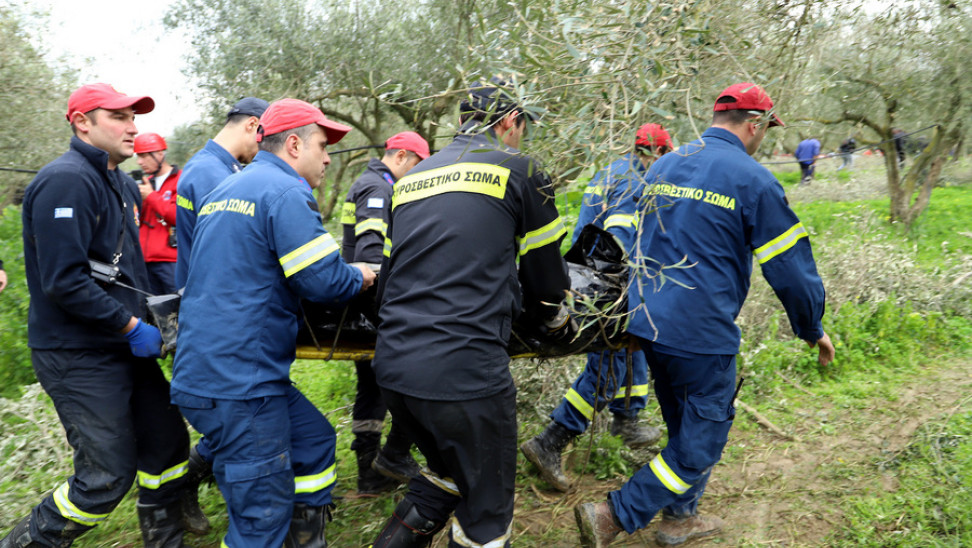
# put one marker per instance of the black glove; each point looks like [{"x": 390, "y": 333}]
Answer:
[{"x": 560, "y": 328}]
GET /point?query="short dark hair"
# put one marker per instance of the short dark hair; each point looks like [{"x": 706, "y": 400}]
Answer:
[
  {"x": 651, "y": 150},
  {"x": 237, "y": 118},
  {"x": 392, "y": 151},
  {"x": 273, "y": 143},
  {"x": 731, "y": 117}
]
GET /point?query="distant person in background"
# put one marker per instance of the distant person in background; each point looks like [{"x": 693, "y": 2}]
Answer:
[
  {"x": 3, "y": 277},
  {"x": 806, "y": 153},
  {"x": 847, "y": 153},
  {"x": 900, "y": 142},
  {"x": 157, "y": 215}
]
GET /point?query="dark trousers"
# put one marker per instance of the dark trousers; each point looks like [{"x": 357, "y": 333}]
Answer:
[
  {"x": 470, "y": 448},
  {"x": 368, "y": 416},
  {"x": 161, "y": 278},
  {"x": 695, "y": 392},
  {"x": 268, "y": 453},
  {"x": 604, "y": 381},
  {"x": 115, "y": 410},
  {"x": 806, "y": 171}
]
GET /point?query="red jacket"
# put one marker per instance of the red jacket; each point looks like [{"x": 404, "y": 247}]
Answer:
[{"x": 158, "y": 218}]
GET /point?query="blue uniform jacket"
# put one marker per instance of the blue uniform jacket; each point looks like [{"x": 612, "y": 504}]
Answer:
[
  {"x": 206, "y": 169},
  {"x": 74, "y": 210},
  {"x": 611, "y": 200},
  {"x": 259, "y": 246},
  {"x": 715, "y": 207}
]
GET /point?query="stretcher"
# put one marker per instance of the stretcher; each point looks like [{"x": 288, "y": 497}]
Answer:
[{"x": 598, "y": 274}]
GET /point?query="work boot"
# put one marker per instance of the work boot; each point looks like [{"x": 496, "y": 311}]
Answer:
[
  {"x": 544, "y": 452},
  {"x": 406, "y": 528},
  {"x": 161, "y": 525},
  {"x": 597, "y": 524},
  {"x": 399, "y": 466},
  {"x": 19, "y": 536},
  {"x": 370, "y": 482},
  {"x": 193, "y": 518},
  {"x": 307, "y": 527},
  {"x": 672, "y": 530},
  {"x": 632, "y": 433}
]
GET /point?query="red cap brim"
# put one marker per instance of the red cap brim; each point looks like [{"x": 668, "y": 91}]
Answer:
[{"x": 333, "y": 130}]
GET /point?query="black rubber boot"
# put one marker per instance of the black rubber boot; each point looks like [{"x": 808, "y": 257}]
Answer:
[
  {"x": 544, "y": 452},
  {"x": 406, "y": 528},
  {"x": 632, "y": 433},
  {"x": 193, "y": 518},
  {"x": 370, "y": 482},
  {"x": 19, "y": 536},
  {"x": 308, "y": 527},
  {"x": 395, "y": 458},
  {"x": 161, "y": 525}
]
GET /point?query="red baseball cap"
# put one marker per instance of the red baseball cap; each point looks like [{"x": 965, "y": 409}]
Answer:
[
  {"x": 653, "y": 135},
  {"x": 410, "y": 141},
  {"x": 92, "y": 96},
  {"x": 290, "y": 113},
  {"x": 747, "y": 96}
]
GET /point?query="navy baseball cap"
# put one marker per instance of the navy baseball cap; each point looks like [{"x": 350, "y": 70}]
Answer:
[{"x": 251, "y": 106}]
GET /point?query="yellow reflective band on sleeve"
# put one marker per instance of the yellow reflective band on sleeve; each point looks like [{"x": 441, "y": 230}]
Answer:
[
  {"x": 667, "y": 477},
  {"x": 183, "y": 202},
  {"x": 348, "y": 212},
  {"x": 579, "y": 403},
  {"x": 316, "y": 482},
  {"x": 153, "y": 481},
  {"x": 446, "y": 484},
  {"x": 377, "y": 225},
  {"x": 386, "y": 250},
  {"x": 485, "y": 179},
  {"x": 636, "y": 390},
  {"x": 223, "y": 544},
  {"x": 594, "y": 190},
  {"x": 307, "y": 254},
  {"x": 622, "y": 220},
  {"x": 72, "y": 512},
  {"x": 460, "y": 537},
  {"x": 780, "y": 243},
  {"x": 535, "y": 239}
]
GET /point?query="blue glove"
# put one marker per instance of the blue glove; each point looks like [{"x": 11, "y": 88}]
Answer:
[{"x": 145, "y": 340}]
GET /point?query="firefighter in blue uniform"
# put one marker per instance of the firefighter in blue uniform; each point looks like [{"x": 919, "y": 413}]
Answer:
[
  {"x": 449, "y": 290},
  {"x": 610, "y": 202},
  {"x": 223, "y": 155},
  {"x": 90, "y": 351},
  {"x": 259, "y": 246},
  {"x": 365, "y": 220},
  {"x": 712, "y": 205}
]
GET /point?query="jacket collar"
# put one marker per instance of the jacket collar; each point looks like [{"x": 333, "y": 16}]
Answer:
[
  {"x": 94, "y": 155},
  {"x": 223, "y": 155},
  {"x": 265, "y": 157},
  {"x": 724, "y": 135}
]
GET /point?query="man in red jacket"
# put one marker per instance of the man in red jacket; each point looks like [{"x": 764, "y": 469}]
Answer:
[{"x": 157, "y": 219}]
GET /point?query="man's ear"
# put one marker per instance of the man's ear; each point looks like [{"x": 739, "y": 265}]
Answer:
[
  {"x": 81, "y": 122},
  {"x": 293, "y": 144}
]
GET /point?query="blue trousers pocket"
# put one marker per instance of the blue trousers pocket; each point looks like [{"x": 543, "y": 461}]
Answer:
[{"x": 260, "y": 493}]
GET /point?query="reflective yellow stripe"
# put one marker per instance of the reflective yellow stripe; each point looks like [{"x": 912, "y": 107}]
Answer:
[
  {"x": 485, "y": 179},
  {"x": 309, "y": 253},
  {"x": 223, "y": 544},
  {"x": 348, "y": 212},
  {"x": 667, "y": 477},
  {"x": 594, "y": 190},
  {"x": 72, "y": 512},
  {"x": 579, "y": 403},
  {"x": 636, "y": 390},
  {"x": 446, "y": 484},
  {"x": 621, "y": 219},
  {"x": 386, "y": 251},
  {"x": 316, "y": 482},
  {"x": 183, "y": 202},
  {"x": 459, "y": 537},
  {"x": 542, "y": 236},
  {"x": 780, "y": 243},
  {"x": 152, "y": 481},
  {"x": 377, "y": 225}
]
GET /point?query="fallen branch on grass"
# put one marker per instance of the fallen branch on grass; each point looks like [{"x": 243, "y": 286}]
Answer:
[{"x": 764, "y": 421}]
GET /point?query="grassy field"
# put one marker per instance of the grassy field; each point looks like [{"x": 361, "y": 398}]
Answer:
[{"x": 873, "y": 451}]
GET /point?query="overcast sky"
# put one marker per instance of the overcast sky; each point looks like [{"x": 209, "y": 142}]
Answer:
[{"x": 123, "y": 43}]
